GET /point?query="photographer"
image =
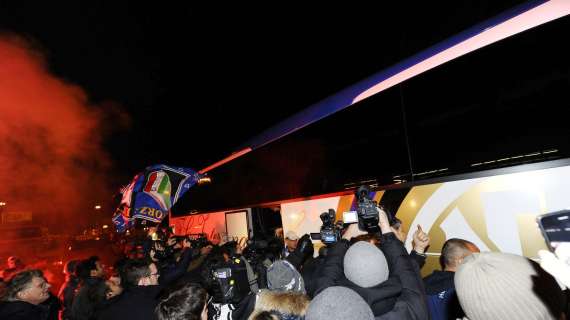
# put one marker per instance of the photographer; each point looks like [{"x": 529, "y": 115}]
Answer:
[
  {"x": 261, "y": 253},
  {"x": 290, "y": 243},
  {"x": 302, "y": 259},
  {"x": 420, "y": 241},
  {"x": 302, "y": 253},
  {"x": 228, "y": 278},
  {"x": 201, "y": 248},
  {"x": 388, "y": 279},
  {"x": 171, "y": 268},
  {"x": 285, "y": 294}
]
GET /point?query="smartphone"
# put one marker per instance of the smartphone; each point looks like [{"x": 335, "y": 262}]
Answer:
[
  {"x": 555, "y": 227},
  {"x": 349, "y": 217}
]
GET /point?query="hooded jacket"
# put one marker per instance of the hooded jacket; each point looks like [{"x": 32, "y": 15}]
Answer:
[{"x": 290, "y": 306}]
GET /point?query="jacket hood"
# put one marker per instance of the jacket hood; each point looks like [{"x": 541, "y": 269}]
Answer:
[
  {"x": 381, "y": 298},
  {"x": 288, "y": 303}
]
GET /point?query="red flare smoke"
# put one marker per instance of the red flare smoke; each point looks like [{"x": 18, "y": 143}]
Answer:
[{"x": 51, "y": 159}]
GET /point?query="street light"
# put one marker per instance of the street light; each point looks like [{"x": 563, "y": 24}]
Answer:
[{"x": 97, "y": 207}]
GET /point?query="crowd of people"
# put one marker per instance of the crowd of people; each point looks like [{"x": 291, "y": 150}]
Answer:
[{"x": 361, "y": 276}]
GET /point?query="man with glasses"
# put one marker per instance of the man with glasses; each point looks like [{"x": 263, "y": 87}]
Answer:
[{"x": 139, "y": 298}]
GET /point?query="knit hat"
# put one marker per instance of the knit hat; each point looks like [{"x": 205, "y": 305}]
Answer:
[
  {"x": 365, "y": 265},
  {"x": 500, "y": 286},
  {"x": 282, "y": 276},
  {"x": 338, "y": 303}
]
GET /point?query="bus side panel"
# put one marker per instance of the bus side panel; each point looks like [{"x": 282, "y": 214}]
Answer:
[{"x": 497, "y": 213}]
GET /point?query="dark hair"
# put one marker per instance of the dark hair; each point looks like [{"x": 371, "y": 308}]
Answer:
[
  {"x": 182, "y": 302},
  {"x": 395, "y": 222},
  {"x": 212, "y": 262},
  {"x": 84, "y": 268},
  {"x": 136, "y": 270},
  {"x": 71, "y": 266},
  {"x": 454, "y": 249},
  {"x": 19, "y": 282},
  {"x": 119, "y": 269},
  {"x": 229, "y": 248}
]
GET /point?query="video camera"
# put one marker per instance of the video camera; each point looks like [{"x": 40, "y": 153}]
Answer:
[
  {"x": 367, "y": 211},
  {"x": 163, "y": 249},
  {"x": 330, "y": 231},
  {"x": 230, "y": 282},
  {"x": 258, "y": 250},
  {"x": 197, "y": 241}
]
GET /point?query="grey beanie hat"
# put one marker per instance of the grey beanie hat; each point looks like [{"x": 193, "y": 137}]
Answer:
[
  {"x": 494, "y": 285},
  {"x": 338, "y": 303},
  {"x": 282, "y": 276},
  {"x": 365, "y": 265}
]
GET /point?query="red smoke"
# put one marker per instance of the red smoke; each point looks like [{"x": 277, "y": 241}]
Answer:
[{"x": 51, "y": 159}]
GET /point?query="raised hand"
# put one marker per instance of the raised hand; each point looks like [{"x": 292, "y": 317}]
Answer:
[{"x": 420, "y": 241}]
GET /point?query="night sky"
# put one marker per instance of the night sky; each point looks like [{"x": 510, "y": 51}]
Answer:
[{"x": 192, "y": 82}]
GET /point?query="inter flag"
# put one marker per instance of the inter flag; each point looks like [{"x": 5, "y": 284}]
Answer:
[
  {"x": 121, "y": 219},
  {"x": 152, "y": 193}
]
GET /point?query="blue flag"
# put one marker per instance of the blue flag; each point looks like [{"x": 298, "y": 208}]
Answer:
[
  {"x": 152, "y": 193},
  {"x": 122, "y": 223}
]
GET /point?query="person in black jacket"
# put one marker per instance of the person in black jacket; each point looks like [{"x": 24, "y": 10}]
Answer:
[
  {"x": 67, "y": 290},
  {"x": 140, "y": 296},
  {"x": 171, "y": 270},
  {"x": 93, "y": 297},
  {"x": 397, "y": 294},
  {"x": 440, "y": 287},
  {"x": 24, "y": 296},
  {"x": 90, "y": 272},
  {"x": 420, "y": 241}
]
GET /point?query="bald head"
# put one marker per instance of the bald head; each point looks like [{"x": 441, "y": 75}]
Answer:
[{"x": 454, "y": 251}]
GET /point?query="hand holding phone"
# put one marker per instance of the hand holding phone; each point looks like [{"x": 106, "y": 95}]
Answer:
[
  {"x": 555, "y": 228},
  {"x": 558, "y": 265}
]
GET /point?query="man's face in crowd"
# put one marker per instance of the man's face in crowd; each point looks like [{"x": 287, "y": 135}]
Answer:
[
  {"x": 400, "y": 233},
  {"x": 114, "y": 287},
  {"x": 291, "y": 244},
  {"x": 36, "y": 292},
  {"x": 12, "y": 262},
  {"x": 99, "y": 271},
  {"x": 153, "y": 278}
]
